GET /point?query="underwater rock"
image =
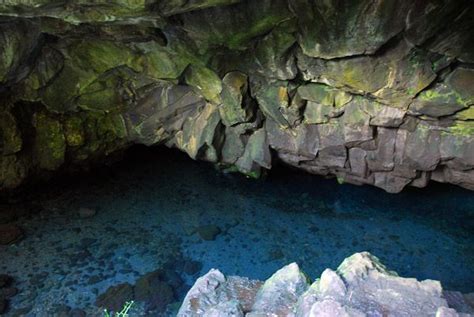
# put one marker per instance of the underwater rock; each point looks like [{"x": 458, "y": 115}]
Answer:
[
  {"x": 115, "y": 297},
  {"x": 192, "y": 267},
  {"x": 7, "y": 214},
  {"x": 3, "y": 305},
  {"x": 154, "y": 291},
  {"x": 360, "y": 286},
  {"x": 319, "y": 86},
  {"x": 6, "y": 292},
  {"x": 208, "y": 232},
  {"x": 86, "y": 213},
  {"x": 5, "y": 280},
  {"x": 10, "y": 233}
]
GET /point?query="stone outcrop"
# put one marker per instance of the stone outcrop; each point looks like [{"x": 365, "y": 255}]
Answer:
[
  {"x": 371, "y": 92},
  {"x": 361, "y": 286}
]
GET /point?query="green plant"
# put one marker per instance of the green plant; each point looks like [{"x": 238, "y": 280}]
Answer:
[{"x": 122, "y": 313}]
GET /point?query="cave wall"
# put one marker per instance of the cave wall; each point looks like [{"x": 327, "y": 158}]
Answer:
[{"x": 372, "y": 92}]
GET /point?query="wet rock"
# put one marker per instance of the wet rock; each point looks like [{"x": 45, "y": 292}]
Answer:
[
  {"x": 208, "y": 232},
  {"x": 192, "y": 267},
  {"x": 77, "y": 312},
  {"x": 3, "y": 305},
  {"x": 10, "y": 233},
  {"x": 154, "y": 291},
  {"x": 62, "y": 311},
  {"x": 115, "y": 297},
  {"x": 8, "y": 292},
  {"x": 5, "y": 280}
]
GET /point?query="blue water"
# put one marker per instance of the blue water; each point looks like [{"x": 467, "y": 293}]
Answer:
[{"x": 149, "y": 206}]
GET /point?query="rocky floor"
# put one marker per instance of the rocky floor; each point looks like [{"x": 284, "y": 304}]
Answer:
[{"x": 160, "y": 212}]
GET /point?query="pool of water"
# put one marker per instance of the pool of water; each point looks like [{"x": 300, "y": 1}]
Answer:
[{"x": 152, "y": 206}]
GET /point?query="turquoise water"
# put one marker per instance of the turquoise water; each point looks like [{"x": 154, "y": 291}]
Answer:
[{"x": 150, "y": 207}]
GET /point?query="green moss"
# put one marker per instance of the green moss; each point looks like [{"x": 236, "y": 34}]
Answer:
[
  {"x": 467, "y": 114},
  {"x": 319, "y": 93},
  {"x": 231, "y": 110},
  {"x": 8, "y": 51},
  {"x": 271, "y": 99},
  {"x": 461, "y": 128},
  {"x": 58, "y": 96},
  {"x": 9, "y": 134},
  {"x": 74, "y": 132},
  {"x": 254, "y": 174},
  {"x": 100, "y": 56},
  {"x": 432, "y": 94},
  {"x": 206, "y": 81},
  {"x": 166, "y": 62},
  {"x": 50, "y": 143},
  {"x": 340, "y": 180},
  {"x": 12, "y": 171},
  {"x": 261, "y": 26}
]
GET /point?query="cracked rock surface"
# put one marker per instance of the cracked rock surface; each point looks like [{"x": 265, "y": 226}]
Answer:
[
  {"x": 371, "y": 92},
  {"x": 361, "y": 286}
]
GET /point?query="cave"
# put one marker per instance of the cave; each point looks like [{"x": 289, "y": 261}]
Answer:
[{"x": 255, "y": 158}]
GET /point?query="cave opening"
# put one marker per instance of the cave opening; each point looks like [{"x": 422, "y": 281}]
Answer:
[
  {"x": 158, "y": 211},
  {"x": 194, "y": 158}
]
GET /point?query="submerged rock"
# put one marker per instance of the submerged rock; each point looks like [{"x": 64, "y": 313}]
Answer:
[
  {"x": 10, "y": 233},
  {"x": 208, "y": 232},
  {"x": 86, "y": 212},
  {"x": 361, "y": 286},
  {"x": 115, "y": 297}
]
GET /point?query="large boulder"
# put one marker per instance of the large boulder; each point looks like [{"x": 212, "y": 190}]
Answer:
[{"x": 361, "y": 286}]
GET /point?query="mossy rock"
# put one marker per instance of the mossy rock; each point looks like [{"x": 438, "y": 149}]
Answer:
[
  {"x": 101, "y": 55},
  {"x": 10, "y": 136},
  {"x": 50, "y": 142},
  {"x": 439, "y": 101},
  {"x": 232, "y": 110},
  {"x": 206, "y": 82},
  {"x": 272, "y": 99},
  {"x": 236, "y": 25}
]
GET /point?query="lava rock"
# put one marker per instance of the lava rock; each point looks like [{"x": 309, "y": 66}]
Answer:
[
  {"x": 10, "y": 233},
  {"x": 208, "y": 232}
]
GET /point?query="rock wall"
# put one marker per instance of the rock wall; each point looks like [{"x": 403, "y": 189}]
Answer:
[
  {"x": 372, "y": 92},
  {"x": 361, "y": 286}
]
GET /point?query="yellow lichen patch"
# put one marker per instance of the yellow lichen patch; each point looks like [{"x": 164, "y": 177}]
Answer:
[{"x": 74, "y": 132}]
